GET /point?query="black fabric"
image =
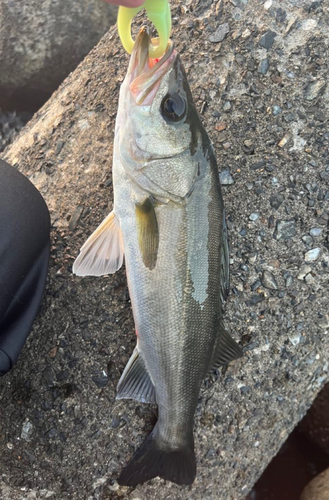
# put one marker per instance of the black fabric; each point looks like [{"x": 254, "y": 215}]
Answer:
[{"x": 24, "y": 255}]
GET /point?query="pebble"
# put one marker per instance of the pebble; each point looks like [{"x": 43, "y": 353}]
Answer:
[
  {"x": 220, "y": 126},
  {"x": 255, "y": 299},
  {"x": 314, "y": 89},
  {"x": 323, "y": 219},
  {"x": 324, "y": 176},
  {"x": 226, "y": 178},
  {"x": 220, "y": 33},
  {"x": 256, "y": 285},
  {"x": 276, "y": 110},
  {"x": 315, "y": 232},
  {"x": 313, "y": 254},
  {"x": 239, "y": 3},
  {"x": 101, "y": 381},
  {"x": 245, "y": 389},
  {"x": 263, "y": 66},
  {"x": 295, "y": 339},
  {"x": 304, "y": 270},
  {"x": 27, "y": 430},
  {"x": 290, "y": 117},
  {"x": 307, "y": 239},
  {"x": 267, "y": 39},
  {"x": 280, "y": 15},
  {"x": 284, "y": 140},
  {"x": 290, "y": 74},
  {"x": 254, "y": 216},
  {"x": 252, "y": 257},
  {"x": 227, "y": 106},
  {"x": 258, "y": 165},
  {"x": 75, "y": 218},
  {"x": 114, "y": 424},
  {"x": 276, "y": 201},
  {"x": 324, "y": 322},
  {"x": 285, "y": 229},
  {"x": 269, "y": 281},
  {"x": 59, "y": 147},
  {"x": 289, "y": 281},
  {"x": 309, "y": 279}
]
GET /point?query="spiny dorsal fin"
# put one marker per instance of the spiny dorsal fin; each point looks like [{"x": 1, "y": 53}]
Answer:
[
  {"x": 225, "y": 350},
  {"x": 148, "y": 233},
  {"x": 135, "y": 382},
  {"x": 103, "y": 251}
]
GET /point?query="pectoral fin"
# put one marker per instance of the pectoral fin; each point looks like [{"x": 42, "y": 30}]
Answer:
[
  {"x": 103, "y": 251},
  {"x": 148, "y": 233},
  {"x": 225, "y": 350},
  {"x": 135, "y": 382}
]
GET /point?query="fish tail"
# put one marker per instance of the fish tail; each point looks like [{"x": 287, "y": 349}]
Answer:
[{"x": 154, "y": 459}]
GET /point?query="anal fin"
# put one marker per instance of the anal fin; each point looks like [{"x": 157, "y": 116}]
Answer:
[
  {"x": 226, "y": 349},
  {"x": 135, "y": 382}
]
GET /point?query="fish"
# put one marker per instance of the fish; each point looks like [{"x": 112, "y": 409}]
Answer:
[{"x": 168, "y": 225}]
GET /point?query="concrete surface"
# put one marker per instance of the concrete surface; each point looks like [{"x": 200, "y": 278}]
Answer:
[
  {"x": 42, "y": 42},
  {"x": 263, "y": 97}
]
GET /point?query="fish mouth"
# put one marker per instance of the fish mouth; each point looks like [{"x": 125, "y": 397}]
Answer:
[{"x": 145, "y": 72}]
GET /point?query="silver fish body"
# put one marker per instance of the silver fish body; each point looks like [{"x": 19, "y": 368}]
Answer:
[{"x": 169, "y": 208}]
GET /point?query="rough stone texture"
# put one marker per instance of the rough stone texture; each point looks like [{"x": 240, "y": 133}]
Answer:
[
  {"x": 42, "y": 42},
  {"x": 318, "y": 488},
  {"x": 64, "y": 383}
]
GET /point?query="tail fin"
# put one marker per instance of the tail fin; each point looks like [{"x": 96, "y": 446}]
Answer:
[{"x": 152, "y": 460}]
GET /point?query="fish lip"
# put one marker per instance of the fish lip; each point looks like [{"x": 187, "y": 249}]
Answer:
[
  {"x": 144, "y": 73},
  {"x": 140, "y": 54}
]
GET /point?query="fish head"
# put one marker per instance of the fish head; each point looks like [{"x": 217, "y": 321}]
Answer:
[{"x": 158, "y": 125}]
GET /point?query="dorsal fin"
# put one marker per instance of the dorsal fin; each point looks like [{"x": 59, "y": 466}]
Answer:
[{"x": 225, "y": 349}]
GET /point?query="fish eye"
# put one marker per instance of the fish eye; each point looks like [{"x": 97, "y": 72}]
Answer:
[{"x": 173, "y": 107}]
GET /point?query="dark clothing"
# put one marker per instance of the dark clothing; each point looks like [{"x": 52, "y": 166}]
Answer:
[{"x": 24, "y": 255}]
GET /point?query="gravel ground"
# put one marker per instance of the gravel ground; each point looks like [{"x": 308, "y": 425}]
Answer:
[{"x": 260, "y": 83}]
